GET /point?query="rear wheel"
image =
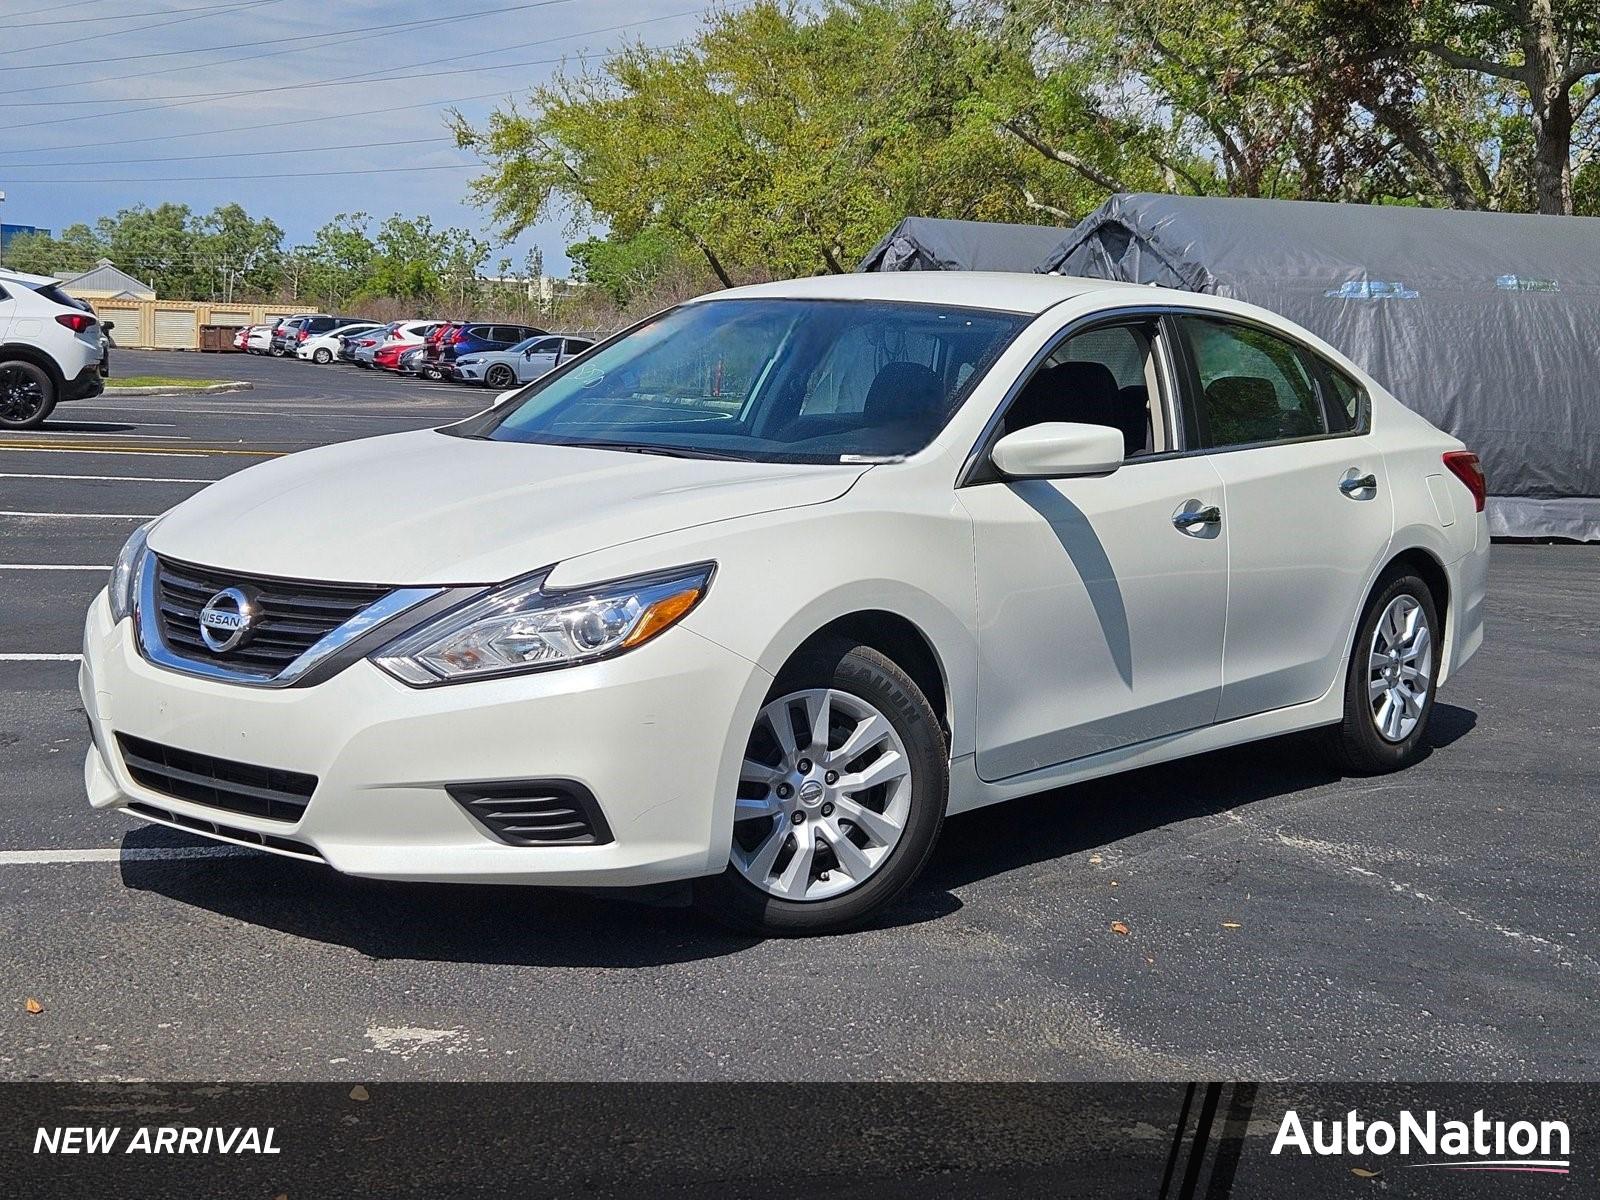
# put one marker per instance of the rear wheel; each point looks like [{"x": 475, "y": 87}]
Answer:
[
  {"x": 26, "y": 395},
  {"x": 1392, "y": 677},
  {"x": 840, "y": 800},
  {"x": 500, "y": 376},
  {"x": 322, "y": 356}
]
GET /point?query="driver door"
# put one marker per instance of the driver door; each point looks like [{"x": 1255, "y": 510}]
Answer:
[
  {"x": 1102, "y": 600},
  {"x": 539, "y": 358}
]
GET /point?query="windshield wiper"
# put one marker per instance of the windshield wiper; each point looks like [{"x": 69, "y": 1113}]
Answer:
[{"x": 661, "y": 451}]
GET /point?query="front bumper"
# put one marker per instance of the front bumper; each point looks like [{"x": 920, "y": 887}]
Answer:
[{"x": 663, "y": 771}]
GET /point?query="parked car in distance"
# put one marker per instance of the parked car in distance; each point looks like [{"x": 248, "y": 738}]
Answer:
[
  {"x": 241, "y": 336},
  {"x": 480, "y": 338},
  {"x": 310, "y": 327},
  {"x": 522, "y": 363},
  {"x": 412, "y": 361},
  {"x": 286, "y": 336},
  {"x": 396, "y": 332},
  {"x": 324, "y": 347},
  {"x": 1028, "y": 530},
  {"x": 431, "y": 368},
  {"x": 358, "y": 348},
  {"x": 259, "y": 338},
  {"x": 408, "y": 337},
  {"x": 52, "y": 349}
]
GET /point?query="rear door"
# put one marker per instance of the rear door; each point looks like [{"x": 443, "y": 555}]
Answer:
[
  {"x": 8, "y": 311},
  {"x": 1306, "y": 506}
]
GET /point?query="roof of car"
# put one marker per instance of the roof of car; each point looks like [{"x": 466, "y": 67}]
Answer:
[
  {"x": 1011, "y": 291},
  {"x": 27, "y": 280}
]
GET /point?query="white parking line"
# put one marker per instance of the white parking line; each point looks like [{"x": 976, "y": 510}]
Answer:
[
  {"x": 102, "y": 478},
  {"x": 18, "y": 858},
  {"x": 9, "y": 512},
  {"x": 141, "y": 451},
  {"x": 48, "y": 567},
  {"x": 41, "y": 658}
]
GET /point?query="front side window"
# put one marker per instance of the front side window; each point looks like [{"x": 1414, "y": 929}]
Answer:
[
  {"x": 818, "y": 381},
  {"x": 1099, "y": 377},
  {"x": 1254, "y": 386}
]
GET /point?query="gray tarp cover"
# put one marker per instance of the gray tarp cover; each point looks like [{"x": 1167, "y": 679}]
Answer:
[
  {"x": 1488, "y": 324},
  {"x": 935, "y": 244}
]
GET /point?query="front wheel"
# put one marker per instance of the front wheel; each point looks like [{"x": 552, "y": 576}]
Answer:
[
  {"x": 322, "y": 356},
  {"x": 841, "y": 797},
  {"x": 26, "y": 395},
  {"x": 500, "y": 376},
  {"x": 1390, "y": 684}
]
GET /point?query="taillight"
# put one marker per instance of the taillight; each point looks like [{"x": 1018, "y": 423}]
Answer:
[
  {"x": 302, "y": 335},
  {"x": 1464, "y": 465},
  {"x": 77, "y": 322}
]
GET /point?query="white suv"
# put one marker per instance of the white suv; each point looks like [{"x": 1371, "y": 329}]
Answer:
[{"x": 52, "y": 348}]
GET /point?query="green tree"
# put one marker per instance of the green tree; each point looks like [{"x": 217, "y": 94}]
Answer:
[
  {"x": 780, "y": 140},
  {"x": 241, "y": 255},
  {"x": 338, "y": 263}
]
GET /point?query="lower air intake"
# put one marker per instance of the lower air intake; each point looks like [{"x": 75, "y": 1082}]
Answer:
[{"x": 535, "y": 812}]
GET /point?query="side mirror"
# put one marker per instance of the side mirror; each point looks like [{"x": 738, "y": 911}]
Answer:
[
  {"x": 1058, "y": 450},
  {"x": 504, "y": 396}
]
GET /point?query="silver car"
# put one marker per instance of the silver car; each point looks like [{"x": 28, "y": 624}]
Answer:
[{"x": 522, "y": 363}]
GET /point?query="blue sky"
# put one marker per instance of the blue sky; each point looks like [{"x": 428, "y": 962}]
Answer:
[{"x": 106, "y": 80}]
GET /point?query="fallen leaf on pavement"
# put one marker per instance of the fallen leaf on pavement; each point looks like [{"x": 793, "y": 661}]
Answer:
[
  {"x": 1363, "y": 1173},
  {"x": 33, "y": 1006},
  {"x": 1118, "y": 927},
  {"x": 359, "y": 1093}
]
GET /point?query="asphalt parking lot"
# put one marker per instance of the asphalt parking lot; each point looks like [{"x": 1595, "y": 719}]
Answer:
[{"x": 1282, "y": 922}]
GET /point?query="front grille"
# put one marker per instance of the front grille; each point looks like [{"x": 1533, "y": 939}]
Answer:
[
  {"x": 232, "y": 832},
  {"x": 217, "y": 782},
  {"x": 294, "y": 616},
  {"x": 535, "y": 812}
]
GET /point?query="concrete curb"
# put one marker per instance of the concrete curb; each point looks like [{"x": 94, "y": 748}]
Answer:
[{"x": 214, "y": 389}]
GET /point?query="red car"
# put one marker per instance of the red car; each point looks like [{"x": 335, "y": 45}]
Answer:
[{"x": 388, "y": 355}]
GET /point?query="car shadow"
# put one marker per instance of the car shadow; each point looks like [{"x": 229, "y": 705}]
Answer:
[
  {"x": 551, "y": 927},
  {"x": 50, "y": 426}
]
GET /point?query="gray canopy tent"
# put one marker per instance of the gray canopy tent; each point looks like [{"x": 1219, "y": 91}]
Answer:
[
  {"x": 1488, "y": 324},
  {"x": 936, "y": 244}
]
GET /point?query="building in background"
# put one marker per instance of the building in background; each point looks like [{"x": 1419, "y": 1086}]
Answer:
[
  {"x": 105, "y": 281},
  {"x": 7, "y": 232}
]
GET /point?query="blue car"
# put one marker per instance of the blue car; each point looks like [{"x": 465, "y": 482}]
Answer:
[{"x": 482, "y": 337}]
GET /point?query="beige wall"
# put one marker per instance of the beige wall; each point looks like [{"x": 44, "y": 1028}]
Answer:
[{"x": 175, "y": 324}]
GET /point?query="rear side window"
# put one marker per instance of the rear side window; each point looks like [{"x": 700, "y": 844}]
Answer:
[
  {"x": 577, "y": 345},
  {"x": 1344, "y": 399},
  {"x": 1254, "y": 387}
]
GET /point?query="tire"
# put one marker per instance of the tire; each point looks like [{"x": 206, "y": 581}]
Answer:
[
  {"x": 500, "y": 376},
  {"x": 27, "y": 395},
  {"x": 1390, "y": 681},
  {"x": 322, "y": 356},
  {"x": 833, "y": 889}
]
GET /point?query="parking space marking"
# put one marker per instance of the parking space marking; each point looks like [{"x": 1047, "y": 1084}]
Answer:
[
  {"x": 114, "y": 854},
  {"x": 108, "y": 448},
  {"x": 47, "y": 567},
  {"x": 41, "y": 658},
  {"x": 9, "y": 512},
  {"x": 103, "y": 478}
]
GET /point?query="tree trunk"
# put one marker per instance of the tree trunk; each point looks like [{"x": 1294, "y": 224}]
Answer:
[{"x": 1551, "y": 102}]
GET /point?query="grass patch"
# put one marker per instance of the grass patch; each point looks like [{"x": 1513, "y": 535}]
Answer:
[{"x": 166, "y": 381}]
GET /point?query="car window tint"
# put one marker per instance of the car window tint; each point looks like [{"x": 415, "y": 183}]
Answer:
[
  {"x": 1099, "y": 377},
  {"x": 577, "y": 345},
  {"x": 1254, "y": 386},
  {"x": 1345, "y": 399}
]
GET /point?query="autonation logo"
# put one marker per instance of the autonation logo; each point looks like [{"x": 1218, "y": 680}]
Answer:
[{"x": 1480, "y": 1144}]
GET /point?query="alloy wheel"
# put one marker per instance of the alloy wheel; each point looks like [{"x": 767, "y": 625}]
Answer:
[
  {"x": 1400, "y": 668},
  {"x": 21, "y": 394},
  {"x": 500, "y": 377},
  {"x": 322, "y": 356},
  {"x": 824, "y": 795}
]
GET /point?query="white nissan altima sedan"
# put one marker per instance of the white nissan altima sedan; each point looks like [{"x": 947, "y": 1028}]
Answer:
[{"x": 756, "y": 592}]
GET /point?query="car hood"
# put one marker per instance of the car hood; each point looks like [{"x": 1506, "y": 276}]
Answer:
[{"x": 432, "y": 508}]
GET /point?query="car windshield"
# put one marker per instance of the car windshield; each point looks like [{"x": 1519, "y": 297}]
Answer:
[{"x": 819, "y": 381}]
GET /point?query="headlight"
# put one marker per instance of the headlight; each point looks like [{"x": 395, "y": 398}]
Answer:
[
  {"x": 125, "y": 573},
  {"x": 522, "y": 627}
]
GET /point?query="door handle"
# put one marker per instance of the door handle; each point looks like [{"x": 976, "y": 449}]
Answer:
[
  {"x": 1187, "y": 519},
  {"x": 1352, "y": 484}
]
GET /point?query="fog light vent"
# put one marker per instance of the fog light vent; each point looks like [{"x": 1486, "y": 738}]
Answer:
[{"x": 535, "y": 812}]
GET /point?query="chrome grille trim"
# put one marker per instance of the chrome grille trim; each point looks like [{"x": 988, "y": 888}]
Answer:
[{"x": 158, "y": 647}]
